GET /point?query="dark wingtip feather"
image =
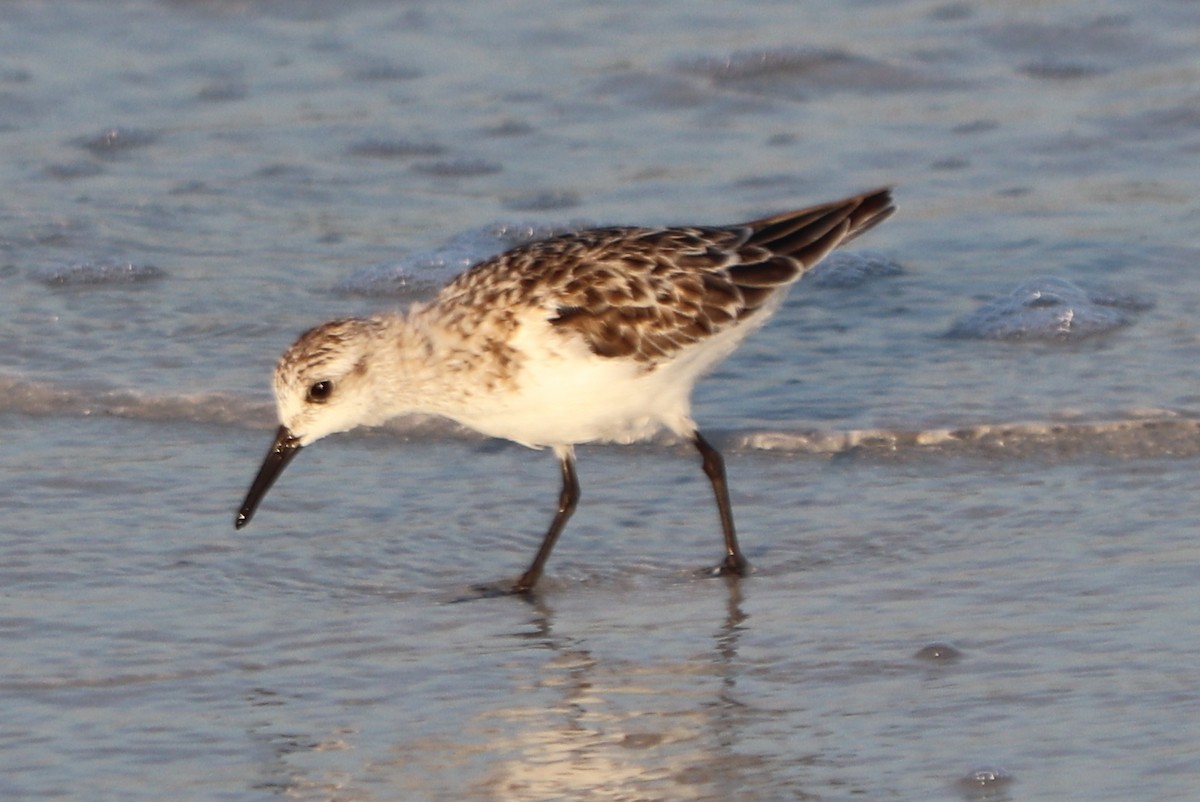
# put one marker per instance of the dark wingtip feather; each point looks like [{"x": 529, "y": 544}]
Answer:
[
  {"x": 808, "y": 235},
  {"x": 874, "y": 207},
  {"x": 791, "y": 231}
]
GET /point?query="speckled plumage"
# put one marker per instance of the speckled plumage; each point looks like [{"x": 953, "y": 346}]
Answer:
[
  {"x": 645, "y": 293},
  {"x": 598, "y": 335}
]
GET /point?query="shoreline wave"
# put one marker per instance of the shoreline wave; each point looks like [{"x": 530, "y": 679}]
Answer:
[
  {"x": 1162, "y": 435},
  {"x": 1142, "y": 433}
]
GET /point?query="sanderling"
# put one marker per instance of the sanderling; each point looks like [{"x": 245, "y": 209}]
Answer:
[{"x": 596, "y": 336}]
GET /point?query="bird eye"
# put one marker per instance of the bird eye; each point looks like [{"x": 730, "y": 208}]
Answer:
[{"x": 320, "y": 391}]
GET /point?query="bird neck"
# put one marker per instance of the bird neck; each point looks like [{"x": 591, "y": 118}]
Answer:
[{"x": 432, "y": 366}]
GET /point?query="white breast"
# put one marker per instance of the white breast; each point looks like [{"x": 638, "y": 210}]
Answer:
[{"x": 565, "y": 394}]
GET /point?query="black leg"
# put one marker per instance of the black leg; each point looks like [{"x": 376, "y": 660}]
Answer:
[
  {"x": 567, "y": 500},
  {"x": 714, "y": 468}
]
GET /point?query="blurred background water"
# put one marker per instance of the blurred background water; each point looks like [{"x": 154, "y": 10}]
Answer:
[{"x": 962, "y": 456}]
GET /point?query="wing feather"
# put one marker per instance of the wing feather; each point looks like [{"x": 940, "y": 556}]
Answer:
[{"x": 643, "y": 293}]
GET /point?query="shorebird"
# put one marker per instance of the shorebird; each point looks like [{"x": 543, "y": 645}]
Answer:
[{"x": 595, "y": 336}]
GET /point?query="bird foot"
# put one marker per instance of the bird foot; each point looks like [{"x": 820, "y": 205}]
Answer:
[
  {"x": 494, "y": 590},
  {"x": 733, "y": 565}
]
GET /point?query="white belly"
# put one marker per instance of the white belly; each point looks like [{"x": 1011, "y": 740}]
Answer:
[{"x": 566, "y": 394}]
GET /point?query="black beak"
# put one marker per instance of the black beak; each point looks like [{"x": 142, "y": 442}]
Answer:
[{"x": 285, "y": 447}]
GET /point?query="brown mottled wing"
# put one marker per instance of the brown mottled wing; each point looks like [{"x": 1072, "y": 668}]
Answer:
[{"x": 646, "y": 293}]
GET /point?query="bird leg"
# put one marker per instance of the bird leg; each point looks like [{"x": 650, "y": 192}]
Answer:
[
  {"x": 567, "y": 500},
  {"x": 714, "y": 467}
]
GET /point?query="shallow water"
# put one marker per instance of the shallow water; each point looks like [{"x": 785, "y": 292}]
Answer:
[{"x": 975, "y": 553}]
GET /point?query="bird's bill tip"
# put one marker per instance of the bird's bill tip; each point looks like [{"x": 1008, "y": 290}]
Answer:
[{"x": 282, "y": 451}]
